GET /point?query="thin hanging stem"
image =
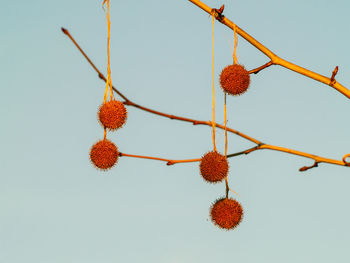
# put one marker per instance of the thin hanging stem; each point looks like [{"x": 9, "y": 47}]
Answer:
[
  {"x": 231, "y": 155},
  {"x": 225, "y": 116},
  {"x": 213, "y": 71},
  {"x": 109, "y": 84},
  {"x": 235, "y": 59}
]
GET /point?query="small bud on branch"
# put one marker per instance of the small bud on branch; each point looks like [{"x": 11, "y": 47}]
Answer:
[{"x": 305, "y": 168}]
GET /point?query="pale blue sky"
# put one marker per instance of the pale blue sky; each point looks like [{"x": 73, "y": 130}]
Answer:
[{"x": 56, "y": 207}]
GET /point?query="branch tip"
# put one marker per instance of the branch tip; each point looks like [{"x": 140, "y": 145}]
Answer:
[
  {"x": 305, "y": 168},
  {"x": 334, "y": 73},
  {"x": 65, "y": 31}
]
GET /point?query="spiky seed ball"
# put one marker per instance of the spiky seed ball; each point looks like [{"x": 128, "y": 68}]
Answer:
[
  {"x": 104, "y": 154},
  {"x": 234, "y": 79},
  {"x": 112, "y": 114},
  {"x": 226, "y": 213},
  {"x": 213, "y": 167}
]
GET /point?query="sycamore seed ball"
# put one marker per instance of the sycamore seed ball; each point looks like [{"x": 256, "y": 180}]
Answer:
[
  {"x": 234, "y": 79},
  {"x": 213, "y": 167},
  {"x": 104, "y": 154},
  {"x": 226, "y": 213},
  {"x": 112, "y": 114}
]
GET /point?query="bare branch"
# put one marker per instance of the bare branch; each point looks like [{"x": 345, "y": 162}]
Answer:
[
  {"x": 100, "y": 75},
  {"x": 260, "y": 145},
  {"x": 274, "y": 58},
  {"x": 173, "y": 117},
  {"x": 316, "y": 158},
  {"x": 169, "y": 161}
]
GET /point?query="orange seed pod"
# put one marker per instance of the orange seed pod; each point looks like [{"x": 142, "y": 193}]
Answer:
[
  {"x": 104, "y": 154},
  {"x": 112, "y": 114},
  {"x": 234, "y": 79},
  {"x": 213, "y": 167},
  {"x": 226, "y": 213}
]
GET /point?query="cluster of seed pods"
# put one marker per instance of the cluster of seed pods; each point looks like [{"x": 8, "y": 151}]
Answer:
[
  {"x": 225, "y": 212},
  {"x": 112, "y": 115}
]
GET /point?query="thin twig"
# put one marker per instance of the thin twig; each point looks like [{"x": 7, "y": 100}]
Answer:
[
  {"x": 334, "y": 73},
  {"x": 172, "y": 162},
  {"x": 317, "y": 159},
  {"x": 100, "y": 75},
  {"x": 243, "y": 152},
  {"x": 169, "y": 161},
  {"x": 257, "y": 70},
  {"x": 305, "y": 168},
  {"x": 276, "y": 60}
]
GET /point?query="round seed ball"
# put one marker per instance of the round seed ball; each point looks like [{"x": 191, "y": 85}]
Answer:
[
  {"x": 234, "y": 79},
  {"x": 112, "y": 114},
  {"x": 213, "y": 167},
  {"x": 226, "y": 213},
  {"x": 104, "y": 154}
]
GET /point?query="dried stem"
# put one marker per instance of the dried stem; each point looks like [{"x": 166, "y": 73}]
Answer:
[
  {"x": 226, "y": 187},
  {"x": 305, "y": 168},
  {"x": 100, "y": 75},
  {"x": 169, "y": 161},
  {"x": 317, "y": 159},
  {"x": 276, "y": 60},
  {"x": 257, "y": 70},
  {"x": 260, "y": 145}
]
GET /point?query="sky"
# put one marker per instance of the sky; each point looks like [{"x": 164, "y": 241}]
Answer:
[{"x": 56, "y": 207}]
